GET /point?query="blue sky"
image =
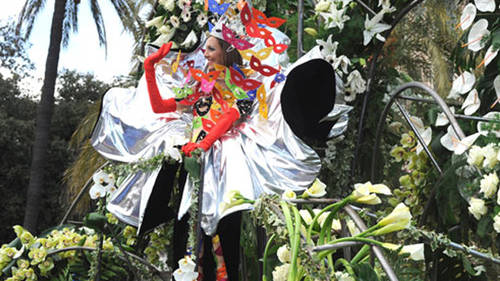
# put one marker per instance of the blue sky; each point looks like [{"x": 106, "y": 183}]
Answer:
[{"x": 83, "y": 52}]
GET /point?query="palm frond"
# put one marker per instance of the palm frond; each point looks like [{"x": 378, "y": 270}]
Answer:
[
  {"x": 70, "y": 23},
  {"x": 27, "y": 17},
  {"x": 99, "y": 23}
]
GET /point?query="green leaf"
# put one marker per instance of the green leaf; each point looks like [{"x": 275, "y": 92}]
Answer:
[
  {"x": 95, "y": 220},
  {"x": 364, "y": 272},
  {"x": 484, "y": 226},
  {"x": 192, "y": 166}
]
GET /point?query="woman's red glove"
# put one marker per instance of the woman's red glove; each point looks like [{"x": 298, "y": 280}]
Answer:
[
  {"x": 221, "y": 127},
  {"x": 158, "y": 104}
]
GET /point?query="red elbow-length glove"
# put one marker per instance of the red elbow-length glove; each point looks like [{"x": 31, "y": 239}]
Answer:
[
  {"x": 158, "y": 104},
  {"x": 221, "y": 127}
]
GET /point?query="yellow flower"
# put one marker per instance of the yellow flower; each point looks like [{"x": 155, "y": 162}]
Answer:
[
  {"x": 398, "y": 219},
  {"x": 364, "y": 193},
  {"x": 416, "y": 251}
]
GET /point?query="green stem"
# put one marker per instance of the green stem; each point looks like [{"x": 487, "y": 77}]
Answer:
[
  {"x": 361, "y": 254},
  {"x": 368, "y": 231},
  {"x": 264, "y": 258},
  {"x": 295, "y": 242},
  {"x": 347, "y": 266},
  {"x": 288, "y": 219},
  {"x": 335, "y": 206}
]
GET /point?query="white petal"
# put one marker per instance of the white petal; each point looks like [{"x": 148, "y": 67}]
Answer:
[
  {"x": 491, "y": 115},
  {"x": 485, "y": 5},
  {"x": 97, "y": 191},
  {"x": 418, "y": 123},
  {"x": 476, "y": 33},
  {"x": 427, "y": 137},
  {"x": 441, "y": 118},
  {"x": 471, "y": 103},
  {"x": 490, "y": 55},
  {"x": 496, "y": 85},
  {"x": 464, "y": 83},
  {"x": 468, "y": 16}
]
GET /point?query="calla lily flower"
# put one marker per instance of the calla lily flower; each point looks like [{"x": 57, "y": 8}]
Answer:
[
  {"x": 416, "y": 251},
  {"x": 476, "y": 34},
  {"x": 462, "y": 84},
  {"x": 190, "y": 40},
  {"x": 400, "y": 213},
  {"x": 317, "y": 189},
  {"x": 366, "y": 193},
  {"x": 451, "y": 142},
  {"x": 288, "y": 195},
  {"x": 441, "y": 119},
  {"x": 373, "y": 27},
  {"x": 471, "y": 103},
  {"x": 485, "y": 5},
  {"x": 468, "y": 16}
]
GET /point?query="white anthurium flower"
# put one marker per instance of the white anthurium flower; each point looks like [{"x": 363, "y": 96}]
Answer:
[
  {"x": 489, "y": 115},
  {"x": 477, "y": 207},
  {"x": 468, "y": 16},
  {"x": 491, "y": 53},
  {"x": 462, "y": 84},
  {"x": 327, "y": 47},
  {"x": 451, "y": 142},
  {"x": 426, "y": 136},
  {"x": 496, "y": 85},
  {"x": 442, "y": 120},
  {"x": 476, "y": 34},
  {"x": 485, "y": 5},
  {"x": 471, "y": 103},
  {"x": 190, "y": 40},
  {"x": 374, "y": 27}
]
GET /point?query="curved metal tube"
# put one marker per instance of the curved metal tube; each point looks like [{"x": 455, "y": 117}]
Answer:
[
  {"x": 371, "y": 73},
  {"x": 395, "y": 94}
]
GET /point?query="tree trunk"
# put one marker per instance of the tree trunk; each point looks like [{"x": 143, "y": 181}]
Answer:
[{"x": 43, "y": 120}]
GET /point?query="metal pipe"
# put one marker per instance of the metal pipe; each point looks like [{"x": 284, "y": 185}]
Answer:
[
  {"x": 376, "y": 250},
  {"x": 395, "y": 94},
  {"x": 419, "y": 137},
  {"x": 300, "y": 29}
]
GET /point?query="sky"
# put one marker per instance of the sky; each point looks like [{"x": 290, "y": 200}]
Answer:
[{"x": 83, "y": 53}]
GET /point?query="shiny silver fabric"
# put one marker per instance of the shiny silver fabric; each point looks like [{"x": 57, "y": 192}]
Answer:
[{"x": 256, "y": 156}]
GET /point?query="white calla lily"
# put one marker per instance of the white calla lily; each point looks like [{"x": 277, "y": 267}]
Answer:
[
  {"x": 468, "y": 16},
  {"x": 476, "y": 34},
  {"x": 471, "y": 103},
  {"x": 442, "y": 120},
  {"x": 485, "y": 5},
  {"x": 451, "y": 142}
]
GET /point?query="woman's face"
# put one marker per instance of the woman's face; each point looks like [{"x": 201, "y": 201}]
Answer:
[{"x": 213, "y": 52}]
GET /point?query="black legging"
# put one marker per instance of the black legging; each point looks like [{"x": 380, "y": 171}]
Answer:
[{"x": 229, "y": 229}]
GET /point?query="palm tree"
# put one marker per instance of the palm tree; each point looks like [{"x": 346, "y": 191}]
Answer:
[{"x": 64, "y": 20}]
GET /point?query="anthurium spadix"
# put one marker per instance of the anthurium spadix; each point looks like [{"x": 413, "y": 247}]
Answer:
[
  {"x": 451, "y": 142},
  {"x": 468, "y": 16},
  {"x": 471, "y": 103},
  {"x": 491, "y": 53},
  {"x": 476, "y": 34},
  {"x": 485, "y": 5},
  {"x": 442, "y": 120},
  {"x": 462, "y": 84}
]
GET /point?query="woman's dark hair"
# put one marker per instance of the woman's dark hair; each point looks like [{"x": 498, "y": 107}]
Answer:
[{"x": 230, "y": 57}]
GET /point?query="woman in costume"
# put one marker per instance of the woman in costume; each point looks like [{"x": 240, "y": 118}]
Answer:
[{"x": 252, "y": 123}]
